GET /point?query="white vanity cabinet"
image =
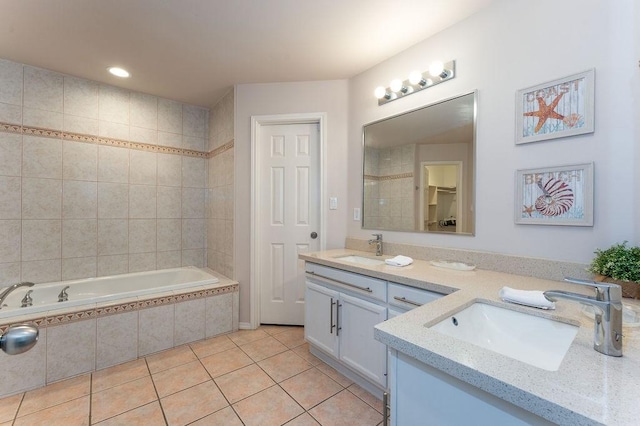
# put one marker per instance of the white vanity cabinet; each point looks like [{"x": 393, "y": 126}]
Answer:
[{"x": 341, "y": 310}]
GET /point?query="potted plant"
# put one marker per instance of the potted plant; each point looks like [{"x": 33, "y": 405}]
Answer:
[{"x": 621, "y": 265}]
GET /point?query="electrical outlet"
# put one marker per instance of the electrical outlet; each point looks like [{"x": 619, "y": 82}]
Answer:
[{"x": 356, "y": 213}]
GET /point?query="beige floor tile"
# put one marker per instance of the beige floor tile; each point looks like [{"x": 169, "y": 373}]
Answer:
[
  {"x": 75, "y": 412},
  {"x": 263, "y": 348},
  {"x": 311, "y": 387},
  {"x": 335, "y": 375},
  {"x": 284, "y": 365},
  {"x": 212, "y": 346},
  {"x": 55, "y": 394},
  {"x": 345, "y": 409},
  {"x": 225, "y": 362},
  {"x": 243, "y": 337},
  {"x": 303, "y": 420},
  {"x": 150, "y": 414},
  {"x": 224, "y": 417},
  {"x": 242, "y": 383},
  {"x": 119, "y": 399},
  {"x": 271, "y": 406},
  {"x": 292, "y": 338},
  {"x": 303, "y": 351},
  {"x": 272, "y": 330},
  {"x": 119, "y": 374},
  {"x": 366, "y": 397},
  {"x": 179, "y": 378},
  {"x": 192, "y": 404},
  {"x": 170, "y": 358},
  {"x": 9, "y": 407}
]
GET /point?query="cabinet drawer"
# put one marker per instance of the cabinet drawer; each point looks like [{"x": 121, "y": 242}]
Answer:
[
  {"x": 348, "y": 281},
  {"x": 409, "y": 297}
]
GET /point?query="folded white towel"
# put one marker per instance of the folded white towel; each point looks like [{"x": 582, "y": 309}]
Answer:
[
  {"x": 526, "y": 297},
  {"x": 399, "y": 261}
]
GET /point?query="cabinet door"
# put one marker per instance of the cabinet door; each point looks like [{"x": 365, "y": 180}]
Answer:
[
  {"x": 320, "y": 322},
  {"x": 358, "y": 348}
]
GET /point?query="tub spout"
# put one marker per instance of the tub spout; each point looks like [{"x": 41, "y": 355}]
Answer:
[
  {"x": 9, "y": 289},
  {"x": 63, "y": 296},
  {"x": 27, "y": 300}
]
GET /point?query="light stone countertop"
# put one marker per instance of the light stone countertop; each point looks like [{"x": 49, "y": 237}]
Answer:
[{"x": 589, "y": 387}]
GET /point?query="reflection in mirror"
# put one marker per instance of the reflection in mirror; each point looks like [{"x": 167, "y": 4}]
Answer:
[{"x": 419, "y": 169}]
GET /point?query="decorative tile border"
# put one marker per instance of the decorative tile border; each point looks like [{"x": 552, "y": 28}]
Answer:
[
  {"x": 116, "y": 308},
  {"x": 389, "y": 177},
  {"x": 99, "y": 140}
]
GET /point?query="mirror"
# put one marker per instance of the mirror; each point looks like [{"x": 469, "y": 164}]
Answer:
[{"x": 419, "y": 169}]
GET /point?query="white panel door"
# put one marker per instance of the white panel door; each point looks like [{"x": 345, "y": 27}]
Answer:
[{"x": 288, "y": 215}]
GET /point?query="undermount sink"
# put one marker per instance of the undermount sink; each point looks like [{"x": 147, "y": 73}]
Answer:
[
  {"x": 537, "y": 341},
  {"x": 361, "y": 260}
]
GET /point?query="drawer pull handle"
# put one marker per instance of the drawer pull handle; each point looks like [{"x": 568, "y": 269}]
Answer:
[
  {"x": 331, "y": 324},
  {"x": 405, "y": 300},
  {"x": 367, "y": 289}
]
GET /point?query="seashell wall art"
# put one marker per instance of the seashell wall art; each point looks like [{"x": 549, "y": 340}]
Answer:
[{"x": 555, "y": 195}]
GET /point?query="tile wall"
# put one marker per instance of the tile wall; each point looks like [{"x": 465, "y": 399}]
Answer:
[
  {"x": 220, "y": 195},
  {"x": 115, "y": 183}
]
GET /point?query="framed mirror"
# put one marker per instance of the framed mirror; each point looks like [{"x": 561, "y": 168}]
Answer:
[{"x": 419, "y": 169}]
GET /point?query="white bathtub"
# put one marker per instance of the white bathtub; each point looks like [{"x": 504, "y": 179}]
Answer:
[{"x": 97, "y": 290}]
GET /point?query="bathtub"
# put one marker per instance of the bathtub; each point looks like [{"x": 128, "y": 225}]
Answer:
[{"x": 92, "y": 291}]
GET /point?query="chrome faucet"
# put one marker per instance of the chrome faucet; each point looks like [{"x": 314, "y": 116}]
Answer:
[
  {"x": 378, "y": 242},
  {"x": 27, "y": 300},
  {"x": 608, "y": 313},
  {"x": 63, "y": 296},
  {"x": 9, "y": 289}
]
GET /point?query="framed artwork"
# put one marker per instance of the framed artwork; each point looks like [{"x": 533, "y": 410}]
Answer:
[
  {"x": 555, "y": 195},
  {"x": 556, "y": 109}
]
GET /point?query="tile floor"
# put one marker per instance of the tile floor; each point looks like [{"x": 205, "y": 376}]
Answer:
[{"x": 252, "y": 377}]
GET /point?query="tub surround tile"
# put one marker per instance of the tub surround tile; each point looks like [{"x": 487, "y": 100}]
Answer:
[
  {"x": 193, "y": 257},
  {"x": 140, "y": 262},
  {"x": 41, "y": 157},
  {"x": 42, "y": 271},
  {"x": 43, "y": 89},
  {"x": 79, "y": 237},
  {"x": 14, "y": 379},
  {"x": 113, "y": 200},
  {"x": 113, "y": 164},
  {"x": 193, "y": 203},
  {"x": 169, "y": 169},
  {"x": 41, "y": 239},
  {"x": 193, "y": 233},
  {"x": 193, "y": 143},
  {"x": 80, "y": 125},
  {"x": 114, "y": 104},
  {"x": 142, "y": 201},
  {"x": 10, "y": 154},
  {"x": 112, "y": 130},
  {"x": 10, "y": 114},
  {"x": 193, "y": 172},
  {"x": 41, "y": 198},
  {"x": 10, "y": 197},
  {"x": 169, "y": 259},
  {"x": 80, "y": 267},
  {"x": 244, "y": 382},
  {"x": 219, "y": 315},
  {"x": 194, "y": 121},
  {"x": 192, "y": 404},
  {"x": 54, "y": 394},
  {"x": 169, "y": 202},
  {"x": 113, "y": 265},
  {"x": 152, "y": 337},
  {"x": 169, "y": 116},
  {"x": 79, "y": 161},
  {"x": 42, "y": 119},
  {"x": 169, "y": 235},
  {"x": 74, "y": 412},
  {"x": 117, "y": 339},
  {"x": 71, "y": 349},
  {"x": 11, "y": 75},
  {"x": 113, "y": 237},
  {"x": 119, "y": 374},
  {"x": 143, "y": 136},
  {"x": 173, "y": 140},
  {"x": 142, "y": 235},
  {"x": 271, "y": 406},
  {"x": 81, "y": 97},
  {"x": 79, "y": 200},
  {"x": 144, "y": 110},
  {"x": 143, "y": 167},
  {"x": 118, "y": 399},
  {"x": 9, "y": 273},
  {"x": 189, "y": 321}
]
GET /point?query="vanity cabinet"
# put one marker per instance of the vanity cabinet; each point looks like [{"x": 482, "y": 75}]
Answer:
[{"x": 341, "y": 310}]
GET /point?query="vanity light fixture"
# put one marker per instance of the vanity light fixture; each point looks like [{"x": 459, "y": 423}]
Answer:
[
  {"x": 416, "y": 82},
  {"x": 119, "y": 72}
]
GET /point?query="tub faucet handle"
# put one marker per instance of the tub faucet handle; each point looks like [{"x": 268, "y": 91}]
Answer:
[
  {"x": 27, "y": 300},
  {"x": 63, "y": 296}
]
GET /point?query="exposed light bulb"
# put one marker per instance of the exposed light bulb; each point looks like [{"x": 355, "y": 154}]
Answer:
[
  {"x": 395, "y": 85},
  {"x": 436, "y": 69},
  {"x": 119, "y": 72},
  {"x": 380, "y": 92},
  {"x": 415, "y": 77}
]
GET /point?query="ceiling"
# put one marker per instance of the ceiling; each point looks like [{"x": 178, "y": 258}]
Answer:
[{"x": 194, "y": 51}]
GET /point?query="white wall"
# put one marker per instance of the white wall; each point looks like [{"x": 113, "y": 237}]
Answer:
[
  {"x": 510, "y": 46},
  {"x": 329, "y": 97}
]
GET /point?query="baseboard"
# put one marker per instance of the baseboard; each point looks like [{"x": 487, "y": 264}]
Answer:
[{"x": 245, "y": 326}]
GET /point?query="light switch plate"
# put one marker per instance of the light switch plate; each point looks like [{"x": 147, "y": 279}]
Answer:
[
  {"x": 333, "y": 203},
  {"x": 356, "y": 213}
]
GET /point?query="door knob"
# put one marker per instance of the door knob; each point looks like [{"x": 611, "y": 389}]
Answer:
[{"x": 314, "y": 235}]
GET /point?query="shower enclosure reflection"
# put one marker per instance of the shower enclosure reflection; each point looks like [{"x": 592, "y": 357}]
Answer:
[{"x": 419, "y": 169}]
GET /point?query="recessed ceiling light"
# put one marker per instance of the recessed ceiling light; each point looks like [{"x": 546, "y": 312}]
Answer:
[{"x": 119, "y": 72}]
